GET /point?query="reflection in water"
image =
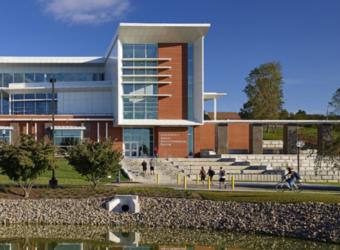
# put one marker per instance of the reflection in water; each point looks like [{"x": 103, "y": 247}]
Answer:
[{"x": 29, "y": 237}]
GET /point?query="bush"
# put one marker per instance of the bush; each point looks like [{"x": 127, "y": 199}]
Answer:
[
  {"x": 94, "y": 160},
  {"x": 25, "y": 162}
]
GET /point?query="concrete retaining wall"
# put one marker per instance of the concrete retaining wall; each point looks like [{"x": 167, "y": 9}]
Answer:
[{"x": 308, "y": 170}]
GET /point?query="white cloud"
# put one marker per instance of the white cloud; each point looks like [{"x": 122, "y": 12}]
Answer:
[{"x": 85, "y": 11}]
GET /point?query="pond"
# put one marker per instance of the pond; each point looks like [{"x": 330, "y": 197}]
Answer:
[{"x": 27, "y": 237}]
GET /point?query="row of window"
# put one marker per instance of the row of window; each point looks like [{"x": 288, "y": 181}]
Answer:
[
  {"x": 140, "y": 50},
  {"x": 33, "y": 104},
  {"x": 140, "y": 108},
  {"x": 62, "y": 138},
  {"x": 66, "y": 138},
  {"x": 7, "y": 78}
]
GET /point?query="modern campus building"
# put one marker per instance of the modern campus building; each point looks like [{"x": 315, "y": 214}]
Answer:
[{"x": 146, "y": 94}]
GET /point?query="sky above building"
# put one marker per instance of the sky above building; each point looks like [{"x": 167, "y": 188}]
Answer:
[{"x": 304, "y": 36}]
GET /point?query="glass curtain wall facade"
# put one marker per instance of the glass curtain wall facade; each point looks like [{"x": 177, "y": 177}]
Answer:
[
  {"x": 140, "y": 81},
  {"x": 138, "y": 142},
  {"x": 41, "y": 105},
  {"x": 28, "y": 104}
]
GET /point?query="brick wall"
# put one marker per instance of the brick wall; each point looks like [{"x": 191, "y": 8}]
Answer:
[
  {"x": 172, "y": 142},
  {"x": 174, "y": 107},
  {"x": 204, "y": 138},
  {"x": 238, "y": 138}
]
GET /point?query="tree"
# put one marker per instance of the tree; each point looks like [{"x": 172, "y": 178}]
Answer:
[
  {"x": 330, "y": 153},
  {"x": 25, "y": 162},
  {"x": 264, "y": 92},
  {"x": 94, "y": 160},
  {"x": 335, "y": 102}
]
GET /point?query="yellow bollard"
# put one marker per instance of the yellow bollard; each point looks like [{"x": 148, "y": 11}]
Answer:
[
  {"x": 232, "y": 183},
  {"x": 209, "y": 183},
  {"x": 178, "y": 179},
  {"x": 157, "y": 179},
  {"x": 185, "y": 183},
  {"x": 197, "y": 179}
]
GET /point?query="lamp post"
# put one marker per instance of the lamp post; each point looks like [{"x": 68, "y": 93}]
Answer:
[
  {"x": 53, "y": 182},
  {"x": 299, "y": 145}
]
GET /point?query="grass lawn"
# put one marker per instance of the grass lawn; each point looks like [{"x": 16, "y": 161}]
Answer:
[
  {"x": 65, "y": 174},
  {"x": 156, "y": 191}
]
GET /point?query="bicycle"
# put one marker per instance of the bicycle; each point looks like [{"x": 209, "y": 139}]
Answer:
[{"x": 283, "y": 185}]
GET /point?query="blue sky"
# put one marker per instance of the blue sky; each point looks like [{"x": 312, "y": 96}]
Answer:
[{"x": 303, "y": 35}]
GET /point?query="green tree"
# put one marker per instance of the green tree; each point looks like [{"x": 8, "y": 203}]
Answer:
[
  {"x": 335, "y": 102},
  {"x": 94, "y": 160},
  {"x": 25, "y": 162},
  {"x": 330, "y": 153},
  {"x": 264, "y": 92}
]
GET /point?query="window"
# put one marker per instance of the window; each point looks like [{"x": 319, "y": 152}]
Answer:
[
  {"x": 18, "y": 77},
  {"x": 38, "y": 104},
  {"x": 138, "y": 141},
  {"x": 140, "y": 107},
  {"x": 5, "y": 135},
  {"x": 140, "y": 51},
  {"x": 8, "y": 78},
  {"x": 29, "y": 77},
  {"x": 66, "y": 138}
]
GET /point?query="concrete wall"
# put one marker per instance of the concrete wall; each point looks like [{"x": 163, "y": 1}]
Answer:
[
  {"x": 272, "y": 144},
  {"x": 307, "y": 165},
  {"x": 85, "y": 103}
]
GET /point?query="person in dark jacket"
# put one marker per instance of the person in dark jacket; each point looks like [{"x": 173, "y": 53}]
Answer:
[{"x": 211, "y": 174}]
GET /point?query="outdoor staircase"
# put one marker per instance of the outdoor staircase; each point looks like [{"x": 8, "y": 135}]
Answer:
[{"x": 169, "y": 168}]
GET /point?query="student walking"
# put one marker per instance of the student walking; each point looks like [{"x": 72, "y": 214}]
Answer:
[
  {"x": 152, "y": 166},
  {"x": 221, "y": 178},
  {"x": 203, "y": 174},
  {"x": 144, "y": 167},
  {"x": 211, "y": 174}
]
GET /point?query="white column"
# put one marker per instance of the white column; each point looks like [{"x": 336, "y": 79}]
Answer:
[
  {"x": 82, "y": 132},
  {"x": 215, "y": 109},
  {"x": 27, "y": 128},
  {"x": 36, "y": 131},
  {"x": 106, "y": 131},
  {"x": 98, "y": 132}
]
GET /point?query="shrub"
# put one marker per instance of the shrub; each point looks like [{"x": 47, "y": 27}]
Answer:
[{"x": 94, "y": 160}]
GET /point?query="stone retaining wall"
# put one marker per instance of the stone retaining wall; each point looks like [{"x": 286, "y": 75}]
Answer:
[
  {"x": 315, "y": 221},
  {"x": 272, "y": 144},
  {"x": 308, "y": 170}
]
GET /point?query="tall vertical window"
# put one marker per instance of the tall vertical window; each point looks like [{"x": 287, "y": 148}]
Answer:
[
  {"x": 190, "y": 82},
  {"x": 140, "y": 82},
  {"x": 191, "y": 141}
]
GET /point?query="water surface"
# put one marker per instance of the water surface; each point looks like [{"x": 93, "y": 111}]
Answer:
[{"x": 27, "y": 237}]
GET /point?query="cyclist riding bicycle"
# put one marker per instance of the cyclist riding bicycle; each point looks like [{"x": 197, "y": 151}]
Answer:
[{"x": 292, "y": 177}]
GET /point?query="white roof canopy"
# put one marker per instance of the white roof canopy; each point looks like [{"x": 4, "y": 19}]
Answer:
[
  {"x": 50, "y": 60},
  {"x": 161, "y": 32},
  {"x": 213, "y": 95}
]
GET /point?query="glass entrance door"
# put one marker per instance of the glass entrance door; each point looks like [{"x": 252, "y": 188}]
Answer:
[{"x": 131, "y": 149}]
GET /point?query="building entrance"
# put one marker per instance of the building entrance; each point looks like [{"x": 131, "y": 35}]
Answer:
[{"x": 131, "y": 149}]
